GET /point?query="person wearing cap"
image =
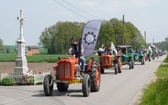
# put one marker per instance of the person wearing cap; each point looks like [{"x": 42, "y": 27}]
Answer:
[{"x": 74, "y": 51}]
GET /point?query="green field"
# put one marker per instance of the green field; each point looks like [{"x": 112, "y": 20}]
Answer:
[
  {"x": 11, "y": 57},
  {"x": 157, "y": 93}
]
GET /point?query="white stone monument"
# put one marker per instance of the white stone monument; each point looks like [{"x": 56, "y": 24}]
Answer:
[{"x": 21, "y": 61}]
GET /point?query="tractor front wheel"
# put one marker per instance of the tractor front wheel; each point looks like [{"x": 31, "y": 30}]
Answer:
[
  {"x": 48, "y": 85},
  {"x": 86, "y": 85}
]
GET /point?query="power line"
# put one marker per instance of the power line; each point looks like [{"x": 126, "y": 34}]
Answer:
[
  {"x": 70, "y": 9},
  {"x": 81, "y": 10}
]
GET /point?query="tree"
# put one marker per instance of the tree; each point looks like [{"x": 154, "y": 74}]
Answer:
[
  {"x": 166, "y": 42},
  {"x": 1, "y": 45},
  {"x": 57, "y": 37}
]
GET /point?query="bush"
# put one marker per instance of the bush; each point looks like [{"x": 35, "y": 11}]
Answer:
[
  {"x": 0, "y": 82},
  {"x": 7, "y": 81},
  {"x": 31, "y": 80}
]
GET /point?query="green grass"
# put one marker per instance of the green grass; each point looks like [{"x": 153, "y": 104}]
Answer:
[
  {"x": 166, "y": 60},
  {"x": 11, "y": 57},
  {"x": 157, "y": 93}
]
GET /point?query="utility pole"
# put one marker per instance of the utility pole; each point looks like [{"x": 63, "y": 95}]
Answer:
[
  {"x": 123, "y": 31},
  {"x": 153, "y": 41}
]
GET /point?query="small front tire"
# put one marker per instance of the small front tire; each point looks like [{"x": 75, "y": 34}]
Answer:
[
  {"x": 86, "y": 85},
  {"x": 48, "y": 85}
]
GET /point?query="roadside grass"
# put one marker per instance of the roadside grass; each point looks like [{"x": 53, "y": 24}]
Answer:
[
  {"x": 157, "y": 93},
  {"x": 11, "y": 57}
]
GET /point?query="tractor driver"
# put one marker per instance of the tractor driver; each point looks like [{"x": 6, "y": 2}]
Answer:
[
  {"x": 101, "y": 50},
  {"x": 74, "y": 50}
]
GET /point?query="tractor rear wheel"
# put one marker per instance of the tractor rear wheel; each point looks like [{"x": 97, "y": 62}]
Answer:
[
  {"x": 86, "y": 85},
  {"x": 142, "y": 61},
  {"x": 119, "y": 67},
  {"x": 62, "y": 87},
  {"x": 130, "y": 64},
  {"x": 116, "y": 68},
  {"x": 95, "y": 77},
  {"x": 48, "y": 85}
]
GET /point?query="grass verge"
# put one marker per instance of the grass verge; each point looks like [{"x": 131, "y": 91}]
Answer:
[{"x": 157, "y": 93}]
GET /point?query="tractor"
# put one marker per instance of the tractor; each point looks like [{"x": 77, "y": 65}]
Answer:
[
  {"x": 68, "y": 72},
  {"x": 127, "y": 55},
  {"x": 139, "y": 57},
  {"x": 147, "y": 54},
  {"x": 106, "y": 61}
]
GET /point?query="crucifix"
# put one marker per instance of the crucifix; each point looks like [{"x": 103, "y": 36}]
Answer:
[
  {"x": 21, "y": 24},
  {"x": 21, "y": 61}
]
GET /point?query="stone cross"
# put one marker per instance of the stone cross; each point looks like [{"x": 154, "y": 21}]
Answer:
[
  {"x": 21, "y": 62},
  {"x": 21, "y": 24}
]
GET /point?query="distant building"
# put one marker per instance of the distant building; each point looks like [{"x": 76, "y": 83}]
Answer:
[{"x": 33, "y": 50}]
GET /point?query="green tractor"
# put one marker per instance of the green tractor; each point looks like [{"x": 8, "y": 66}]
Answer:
[
  {"x": 127, "y": 55},
  {"x": 139, "y": 57}
]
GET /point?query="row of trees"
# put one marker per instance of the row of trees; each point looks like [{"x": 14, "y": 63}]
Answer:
[
  {"x": 1, "y": 45},
  {"x": 56, "y": 38},
  {"x": 162, "y": 45}
]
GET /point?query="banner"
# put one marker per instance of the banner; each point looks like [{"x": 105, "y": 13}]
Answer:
[
  {"x": 90, "y": 35},
  {"x": 113, "y": 48}
]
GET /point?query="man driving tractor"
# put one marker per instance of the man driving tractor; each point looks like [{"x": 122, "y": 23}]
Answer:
[{"x": 74, "y": 51}]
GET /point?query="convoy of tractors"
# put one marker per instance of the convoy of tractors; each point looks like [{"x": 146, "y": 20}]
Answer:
[{"x": 68, "y": 70}]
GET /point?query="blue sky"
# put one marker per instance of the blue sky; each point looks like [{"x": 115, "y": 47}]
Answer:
[{"x": 147, "y": 15}]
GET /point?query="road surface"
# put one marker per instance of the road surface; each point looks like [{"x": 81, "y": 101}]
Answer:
[{"x": 120, "y": 89}]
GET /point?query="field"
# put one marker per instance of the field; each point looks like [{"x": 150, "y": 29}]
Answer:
[
  {"x": 38, "y": 63},
  {"x": 8, "y": 67},
  {"x": 11, "y": 57}
]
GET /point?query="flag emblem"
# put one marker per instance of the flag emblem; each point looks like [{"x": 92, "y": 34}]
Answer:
[{"x": 89, "y": 38}]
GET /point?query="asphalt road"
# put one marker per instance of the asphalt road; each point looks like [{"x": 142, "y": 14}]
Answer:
[{"x": 121, "y": 89}]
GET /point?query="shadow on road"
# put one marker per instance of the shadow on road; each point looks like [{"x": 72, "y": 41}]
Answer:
[{"x": 70, "y": 92}]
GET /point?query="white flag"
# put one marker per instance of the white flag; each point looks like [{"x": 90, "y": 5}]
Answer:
[
  {"x": 90, "y": 35},
  {"x": 113, "y": 48}
]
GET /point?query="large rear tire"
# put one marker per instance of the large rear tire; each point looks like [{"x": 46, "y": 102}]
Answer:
[
  {"x": 130, "y": 64},
  {"x": 86, "y": 85},
  {"x": 119, "y": 67},
  {"x": 95, "y": 76},
  {"x": 48, "y": 85},
  {"x": 116, "y": 68},
  {"x": 62, "y": 87},
  {"x": 142, "y": 61}
]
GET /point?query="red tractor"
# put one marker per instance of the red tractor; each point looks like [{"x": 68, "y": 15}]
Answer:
[
  {"x": 107, "y": 61},
  {"x": 68, "y": 72}
]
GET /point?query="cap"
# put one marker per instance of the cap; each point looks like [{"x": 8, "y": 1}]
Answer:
[{"x": 73, "y": 39}]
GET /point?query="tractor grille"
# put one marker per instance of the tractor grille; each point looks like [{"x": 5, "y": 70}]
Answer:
[
  {"x": 105, "y": 60},
  {"x": 65, "y": 70}
]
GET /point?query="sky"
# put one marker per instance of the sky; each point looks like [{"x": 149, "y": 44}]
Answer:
[{"x": 147, "y": 15}]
